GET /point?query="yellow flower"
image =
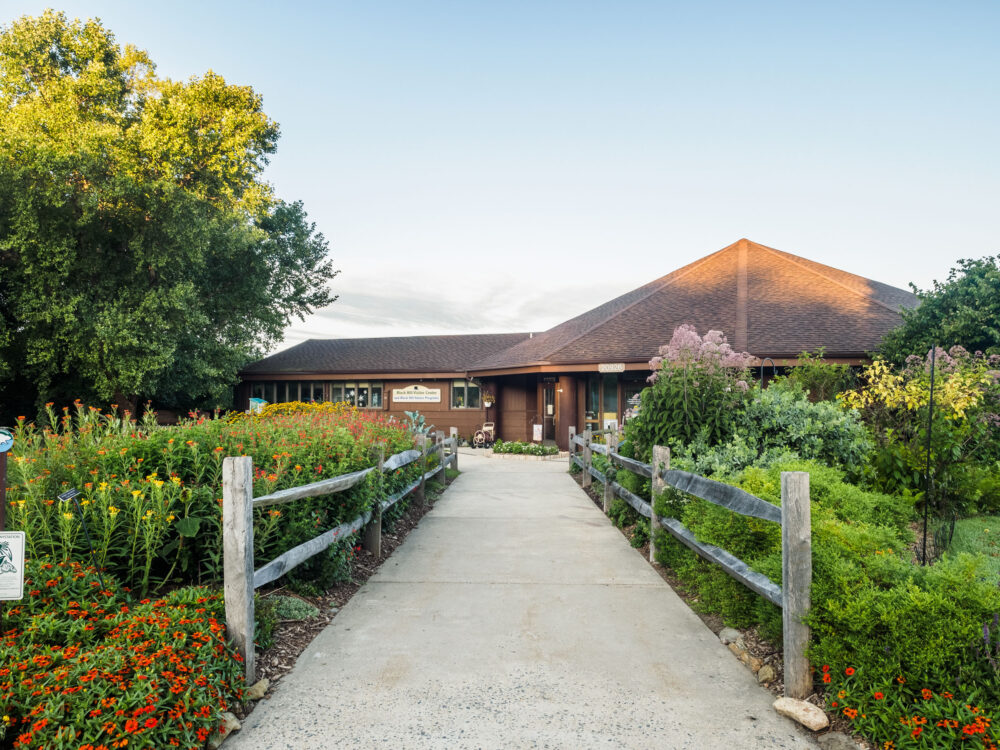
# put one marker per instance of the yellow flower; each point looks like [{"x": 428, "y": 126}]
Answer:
[
  {"x": 158, "y": 482},
  {"x": 136, "y": 493},
  {"x": 102, "y": 486},
  {"x": 170, "y": 518},
  {"x": 175, "y": 480},
  {"x": 112, "y": 510},
  {"x": 68, "y": 516}
]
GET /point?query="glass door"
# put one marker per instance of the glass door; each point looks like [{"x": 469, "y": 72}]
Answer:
[{"x": 548, "y": 411}]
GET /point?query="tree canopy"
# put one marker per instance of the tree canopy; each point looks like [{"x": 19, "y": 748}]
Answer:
[
  {"x": 142, "y": 254},
  {"x": 964, "y": 311}
]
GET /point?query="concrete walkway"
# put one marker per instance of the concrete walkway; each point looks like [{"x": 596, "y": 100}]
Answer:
[{"x": 516, "y": 616}]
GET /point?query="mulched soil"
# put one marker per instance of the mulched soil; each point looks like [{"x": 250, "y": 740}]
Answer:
[
  {"x": 755, "y": 644},
  {"x": 292, "y": 636}
]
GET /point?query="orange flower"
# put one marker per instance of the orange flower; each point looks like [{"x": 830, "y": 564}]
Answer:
[
  {"x": 927, "y": 694},
  {"x": 916, "y": 732},
  {"x": 849, "y": 671},
  {"x": 879, "y": 696},
  {"x": 826, "y": 678}
]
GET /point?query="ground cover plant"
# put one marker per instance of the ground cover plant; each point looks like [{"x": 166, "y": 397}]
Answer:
[
  {"x": 84, "y": 666},
  {"x": 907, "y": 653}
]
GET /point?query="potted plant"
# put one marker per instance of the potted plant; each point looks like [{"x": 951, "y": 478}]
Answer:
[{"x": 488, "y": 399}]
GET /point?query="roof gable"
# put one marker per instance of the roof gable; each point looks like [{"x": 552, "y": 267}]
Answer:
[{"x": 765, "y": 301}]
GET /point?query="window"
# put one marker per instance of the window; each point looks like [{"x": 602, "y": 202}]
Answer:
[
  {"x": 362, "y": 395},
  {"x": 464, "y": 395}
]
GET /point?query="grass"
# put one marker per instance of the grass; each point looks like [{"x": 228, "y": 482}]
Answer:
[{"x": 979, "y": 536}]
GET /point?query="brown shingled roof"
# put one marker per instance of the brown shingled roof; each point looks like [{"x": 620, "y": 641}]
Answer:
[
  {"x": 766, "y": 301},
  {"x": 383, "y": 355}
]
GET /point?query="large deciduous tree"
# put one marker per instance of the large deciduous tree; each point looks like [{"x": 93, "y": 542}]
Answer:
[
  {"x": 964, "y": 310},
  {"x": 142, "y": 255}
]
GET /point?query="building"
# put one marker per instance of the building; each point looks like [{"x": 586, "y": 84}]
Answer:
[{"x": 587, "y": 371}]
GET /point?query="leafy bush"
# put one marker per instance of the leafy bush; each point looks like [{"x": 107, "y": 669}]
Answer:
[
  {"x": 80, "y": 662},
  {"x": 527, "y": 449},
  {"x": 780, "y": 423},
  {"x": 820, "y": 379}
]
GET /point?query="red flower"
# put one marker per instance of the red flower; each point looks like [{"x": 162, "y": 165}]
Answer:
[
  {"x": 879, "y": 696},
  {"x": 849, "y": 671},
  {"x": 826, "y": 678},
  {"x": 826, "y": 667},
  {"x": 131, "y": 725},
  {"x": 927, "y": 694},
  {"x": 916, "y": 732}
]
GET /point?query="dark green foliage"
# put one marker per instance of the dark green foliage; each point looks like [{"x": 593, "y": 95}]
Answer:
[
  {"x": 963, "y": 310},
  {"x": 142, "y": 255}
]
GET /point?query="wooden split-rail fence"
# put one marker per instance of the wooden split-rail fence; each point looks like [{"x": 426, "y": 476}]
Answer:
[
  {"x": 793, "y": 596},
  {"x": 240, "y": 579}
]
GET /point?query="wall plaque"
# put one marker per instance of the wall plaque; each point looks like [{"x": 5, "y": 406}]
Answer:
[
  {"x": 611, "y": 367},
  {"x": 416, "y": 394}
]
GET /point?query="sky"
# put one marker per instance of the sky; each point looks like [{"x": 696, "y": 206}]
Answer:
[{"x": 494, "y": 167}]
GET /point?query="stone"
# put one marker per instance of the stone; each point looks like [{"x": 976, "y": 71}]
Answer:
[
  {"x": 737, "y": 651},
  {"x": 810, "y": 716},
  {"x": 836, "y": 741},
  {"x": 729, "y": 635},
  {"x": 766, "y": 674},
  {"x": 230, "y": 724},
  {"x": 753, "y": 662},
  {"x": 257, "y": 691}
]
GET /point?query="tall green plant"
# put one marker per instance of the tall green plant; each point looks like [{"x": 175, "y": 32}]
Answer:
[{"x": 697, "y": 385}]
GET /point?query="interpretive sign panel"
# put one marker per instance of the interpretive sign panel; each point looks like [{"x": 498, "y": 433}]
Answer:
[{"x": 11, "y": 565}]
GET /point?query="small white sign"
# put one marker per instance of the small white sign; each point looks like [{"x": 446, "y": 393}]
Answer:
[
  {"x": 11, "y": 565},
  {"x": 416, "y": 394},
  {"x": 611, "y": 367},
  {"x": 610, "y": 424},
  {"x": 536, "y": 433},
  {"x": 6, "y": 440}
]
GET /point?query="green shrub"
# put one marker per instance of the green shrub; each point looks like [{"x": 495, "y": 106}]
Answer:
[{"x": 527, "y": 449}]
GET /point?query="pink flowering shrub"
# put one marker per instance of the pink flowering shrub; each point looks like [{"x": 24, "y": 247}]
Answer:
[{"x": 697, "y": 385}]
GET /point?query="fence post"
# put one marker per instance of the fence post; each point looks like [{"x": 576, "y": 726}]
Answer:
[
  {"x": 586, "y": 481},
  {"x": 609, "y": 493},
  {"x": 661, "y": 463},
  {"x": 572, "y": 445},
  {"x": 454, "y": 448},
  {"x": 373, "y": 534},
  {"x": 796, "y": 580},
  {"x": 237, "y": 556},
  {"x": 424, "y": 443}
]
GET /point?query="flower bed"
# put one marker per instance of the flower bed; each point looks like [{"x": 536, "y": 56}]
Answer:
[
  {"x": 518, "y": 448},
  {"x": 151, "y": 496},
  {"x": 83, "y": 667}
]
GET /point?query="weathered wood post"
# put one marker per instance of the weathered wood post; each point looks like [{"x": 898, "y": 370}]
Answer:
[
  {"x": 424, "y": 444},
  {"x": 237, "y": 556},
  {"x": 609, "y": 493},
  {"x": 373, "y": 534},
  {"x": 585, "y": 482},
  {"x": 572, "y": 445},
  {"x": 796, "y": 580},
  {"x": 661, "y": 463},
  {"x": 454, "y": 448}
]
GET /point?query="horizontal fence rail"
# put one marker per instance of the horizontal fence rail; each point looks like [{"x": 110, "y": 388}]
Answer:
[
  {"x": 793, "y": 515},
  {"x": 239, "y": 577}
]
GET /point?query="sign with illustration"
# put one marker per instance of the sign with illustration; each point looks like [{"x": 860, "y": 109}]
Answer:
[
  {"x": 416, "y": 394},
  {"x": 6, "y": 440},
  {"x": 11, "y": 565}
]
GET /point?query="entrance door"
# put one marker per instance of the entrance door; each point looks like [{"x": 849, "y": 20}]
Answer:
[{"x": 548, "y": 411}]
